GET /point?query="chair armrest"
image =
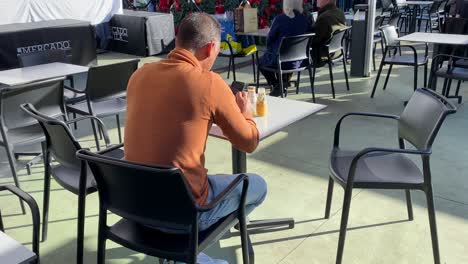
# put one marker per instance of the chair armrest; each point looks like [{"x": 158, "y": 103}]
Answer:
[
  {"x": 99, "y": 122},
  {"x": 34, "y": 212},
  {"x": 362, "y": 153},
  {"x": 336, "y": 139},
  {"x": 74, "y": 90},
  {"x": 243, "y": 178}
]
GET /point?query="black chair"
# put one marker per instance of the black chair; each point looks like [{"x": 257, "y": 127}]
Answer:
[
  {"x": 21, "y": 134},
  {"x": 139, "y": 194},
  {"x": 455, "y": 69},
  {"x": 232, "y": 64},
  {"x": 392, "y": 45},
  {"x": 292, "y": 48},
  {"x": 430, "y": 16},
  {"x": 335, "y": 47},
  {"x": 105, "y": 93},
  {"x": 71, "y": 173},
  {"x": 418, "y": 124},
  {"x": 377, "y": 37},
  {"x": 34, "y": 213}
]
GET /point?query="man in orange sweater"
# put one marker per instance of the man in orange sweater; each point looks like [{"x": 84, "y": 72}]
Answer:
[{"x": 171, "y": 106}]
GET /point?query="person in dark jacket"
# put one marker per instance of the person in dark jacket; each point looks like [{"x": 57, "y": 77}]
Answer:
[
  {"x": 330, "y": 18},
  {"x": 291, "y": 22}
]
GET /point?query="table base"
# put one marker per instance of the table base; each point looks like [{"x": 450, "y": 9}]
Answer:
[{"x": 239, "y": 165}]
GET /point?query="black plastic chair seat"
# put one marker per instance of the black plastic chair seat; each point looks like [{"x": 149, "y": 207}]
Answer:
[
  {"x": 376, "y": 168},
  {"x": 271, "y": 69},
  {"x": 405, "y": 60},
  {"x": 456, "y": 73},
  {"x": 25, "y": 135},
  {"x": 152, "y": 241},
  {"x": 238, "y": 55},
  {"x": 461, "y": 63},
  {"x": 72, "y": 97},
  {"x": 101, "y": 108},
  {"x": 69, "y": 178}
]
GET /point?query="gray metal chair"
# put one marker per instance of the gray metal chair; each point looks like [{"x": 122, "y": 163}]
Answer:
[
  {"x": 334, "y": 47},
  {"x": 377, "y": 38},
  {"x": 385, "y": 168},
  {"x": 392, "y": 45},
  {"x": 138, "y": 193},
  {"x": 106, "y": 89},
  {"x": 69, "y": 172},
  {"x": 455, "y": 69},
  {"x": 35, "y": 217},
  {"x": 292, "y": 48},
  {"x": 20, "y": 133}
]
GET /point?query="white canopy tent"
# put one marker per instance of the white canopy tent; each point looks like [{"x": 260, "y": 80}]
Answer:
[{"x": 94, "y": 11}]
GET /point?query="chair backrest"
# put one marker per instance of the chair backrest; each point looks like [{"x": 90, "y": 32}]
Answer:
[
  {"x": 60, "y": 141},
  {"x": 46, "y": 96},
  {"x": 294, "y": 48},
  {"x": 393, "y": 21},
  {"x": 378, "y": 22},
  {"x": 435, "y": 7},
  {"x": 423, "y": 115},
  {"x": 150, "y": 195},
  {"x": 390, "y": 35},
  {"x": 109, "y": 81},
  {"x": 43, "y": 57},
  {"x": 336, "y": 41}
]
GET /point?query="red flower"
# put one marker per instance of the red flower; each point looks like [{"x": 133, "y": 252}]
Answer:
[
  {"x": 273, "y": 8},
  {"x": 274, "y": 2},
  {"x": 219, "y": 9},
  {"x": 263, "y": 22},
  {"x": 253, "y": 2},
  {"x": 267, "y": 12}
]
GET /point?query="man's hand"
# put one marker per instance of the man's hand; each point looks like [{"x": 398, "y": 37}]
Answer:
[{"x": 243, "y": 102}]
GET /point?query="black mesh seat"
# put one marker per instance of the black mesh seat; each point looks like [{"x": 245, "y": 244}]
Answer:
[
  {"x": 391, "y": 168},
  {"x": 292, "y": 48},
  {"x": 385, "y": 168},
  {"x": 391, "y": 57},
  {"x": 151, "y": 198},
  {"x": 105, "y": 92},
  {"x": 60, "y": 161}
]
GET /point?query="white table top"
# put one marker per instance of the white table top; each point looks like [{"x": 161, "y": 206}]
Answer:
[
  {"x": 282, "y": 112},
  {"x": 260, "y": 33},
  {"x": 12, "y": 252},
  {"x": 436, "y": 38},
  {"x": 39, "y": 72},
  {"x": 416, "y": 3}
]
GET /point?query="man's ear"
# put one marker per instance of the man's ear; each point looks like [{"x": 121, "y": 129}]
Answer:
[{"x": 209, "y": 48}]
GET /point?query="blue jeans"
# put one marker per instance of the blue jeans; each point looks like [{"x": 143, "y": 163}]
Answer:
[{"x": 256, "y": 194}]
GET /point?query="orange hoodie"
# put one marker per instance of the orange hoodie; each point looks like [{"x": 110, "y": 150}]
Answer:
[{"x": 171, "y": 105}]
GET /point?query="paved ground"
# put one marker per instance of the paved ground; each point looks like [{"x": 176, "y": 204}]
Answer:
[{"x": 294, "y": 162}]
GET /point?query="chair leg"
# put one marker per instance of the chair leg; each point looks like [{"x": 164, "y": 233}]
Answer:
[
  {"x": 449, "y": 86},
  {"x": 409, "y": 205},
  {"x": 373, "y": 56},
  {"x": 425, "y": 75},
  {"x": 233, "y": 69},
  {"x": 13, "y": 173},
  {"x": 345, "y": 71},
  {"x": 331, "y": 76},
  {"x": 46, "y": 197},
  {"x": 95, "y": 132},
  {"x": 444, "y": 87},
  {"x": 312, "y": 80},
  {"x": 457, "y": 92},
  {"x": 331, "y": 183},
  {"x": 229, "y": 67},
  {"x": 75, "y": 124},
  {"x": 244, "y": 240},
  {"x": 281, "y": 84},
  {"x": 344, "y": 224},
  {"x": 298, "y": 81},
  {"x": 2, "y": 227},
  {"x": 433, "y": 224},
  {"x": 378, "y": 76},
  {"x": 258, "y": 78},
  {"x": 101, "y": 254},
  {"x": 415, "y": 77},
  {"x": 388, "y": 76},
  {"x": 81, "y": 226},
  {"x": 253, "y": 66},
  {"x": 119, "y": 130}
]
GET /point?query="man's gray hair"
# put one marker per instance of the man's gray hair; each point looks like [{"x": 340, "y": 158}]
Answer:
[{"x": 196, "y": 30}]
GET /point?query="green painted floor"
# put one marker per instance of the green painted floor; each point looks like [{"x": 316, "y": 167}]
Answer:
[{"x": 294, "y": 163}]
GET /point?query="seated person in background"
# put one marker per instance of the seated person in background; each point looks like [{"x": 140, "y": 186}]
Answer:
[
  {"x": 291, "y": 22},
  {"x": 330, "y": 18},
  {"x": 171, "y": 106}
]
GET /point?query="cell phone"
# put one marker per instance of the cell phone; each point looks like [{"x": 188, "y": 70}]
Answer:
[{"x": 237, "y": 87}]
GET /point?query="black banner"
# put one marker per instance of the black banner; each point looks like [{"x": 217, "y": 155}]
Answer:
[
  {"x": 74, "y": 36},
  {"x": 128, "y": 34}
]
